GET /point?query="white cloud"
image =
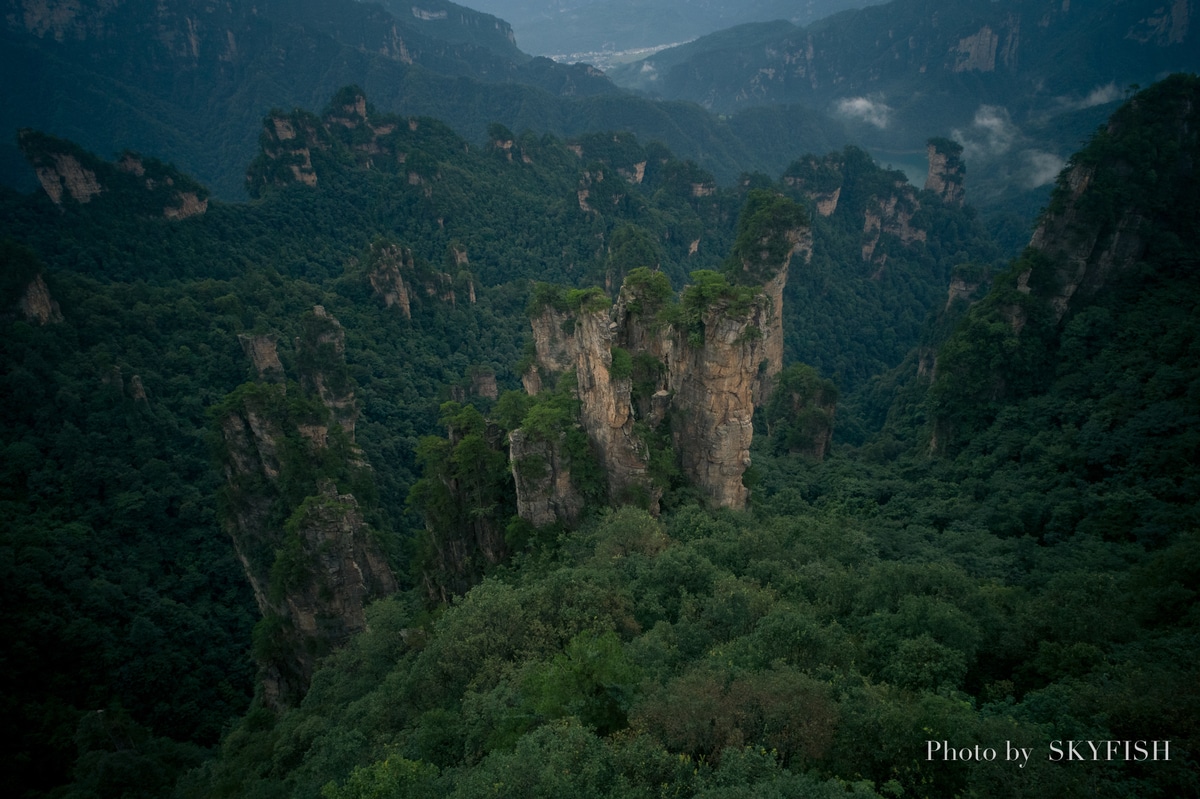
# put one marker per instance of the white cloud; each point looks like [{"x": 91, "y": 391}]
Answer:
[
  {"x": 1040, "y": 168},
  {"x": 870, "y": 111},
  {"x": 1101, "y": 95},
  {"x": 992, "y": 133}
]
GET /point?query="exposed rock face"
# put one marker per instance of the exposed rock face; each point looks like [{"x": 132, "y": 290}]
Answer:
[
  {"x": 542, "y": 473},
  {"x": 264, "y": 355},
  {"x": 37, "y": 305},
  {"x": 945, "y": 178},
  {"x": 312, "y": 574},
  {"x": 961, "y": 289},
  {"x": 772, "y": 330},
  {"x": 323, "y": 352},
  {"x": 714, "y": 386},
  {"x": 386, "y": 277},
  {"x": 67, "y": 176},
  {"x": 979, "y": 52},
  {"x": 820, "y": 179},
  {"x": 189, "y": 205},
  {"x": 66, "y": 172},
  {"x": 483, "y": 384},
  {"x": 892, "y": 215},
  {"x": 1085, "y": 256},
  {"x": 706, "y": 377},
  {"x": 607, "y": 412},
  {"x": 556, "y": 349}
]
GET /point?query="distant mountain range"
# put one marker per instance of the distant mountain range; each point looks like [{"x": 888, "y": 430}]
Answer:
[
  {"x": 595, "y": 30},
  {"x": 191, "y": 81},
  {"x": 1020, "y": 83}
]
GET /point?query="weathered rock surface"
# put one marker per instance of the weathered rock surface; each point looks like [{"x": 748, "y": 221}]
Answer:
[
  {"x": 542, "y": 473},
  {"x": 67, "y": 173},
  {"x": 713, "y": 389},
  {"x": 607, "y": 413},
  {"x": 946, "y": 171},
  {"x": 262, "y": 350},
  {"x": 37, "y": 305},
  {"x": 311, "y": 561}
]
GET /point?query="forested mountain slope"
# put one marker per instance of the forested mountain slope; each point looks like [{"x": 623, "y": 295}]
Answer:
[
  {"x": 189, "y": 82},
  {"x": 134, "y": 303},
  {"x": 871, "y": 612},
  {"x": 215, "y": 412},
  {"x": 1021, "y": 83}
]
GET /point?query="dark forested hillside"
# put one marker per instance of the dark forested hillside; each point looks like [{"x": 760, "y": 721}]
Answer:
[{"x": 268, "y": 523}]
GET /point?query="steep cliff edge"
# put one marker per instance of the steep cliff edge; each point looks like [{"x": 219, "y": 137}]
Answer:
[
  {"x": 1116, "y": 232},
  {"x": 696, "y": 369},
  {"x": 946, "y": 171},
  {"x": 67, "y": 173},
  {"x": 304, "y": 544}
]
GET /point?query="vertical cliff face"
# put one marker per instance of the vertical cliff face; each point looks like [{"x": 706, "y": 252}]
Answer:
[
  {"x": 37, "y": 305},
  {"x": 607, "y": 412},
  {"x": 541, "y": 470},
  {"x": 309, "y": 555},
  {"x": 697, "y": 369},
  {"x": 946, "y": 171},
  {"x": 713, "y": 379},
  {"x": 322, "y": 351}
]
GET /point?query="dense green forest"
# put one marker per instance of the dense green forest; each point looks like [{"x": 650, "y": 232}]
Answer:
[{"x": 999, "y": 554}]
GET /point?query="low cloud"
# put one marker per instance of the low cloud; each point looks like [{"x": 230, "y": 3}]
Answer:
[
  {"x": 1039, "y": 168},
  {"x": 1101, "y": 95},
  {"x": 870, "y": 111},
  {"x": 992, "y": 133}
]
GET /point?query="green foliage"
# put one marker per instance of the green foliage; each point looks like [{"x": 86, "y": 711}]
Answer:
[
  {"x": 546, "y": 295},
  {"x": 709, "y": 293},
  {"x": 622, "y": 364},
  {"x": 650, "y": 291},
  {"x": 801, "y": 408},
  {"x": 589, "y": 300},
  {"x": 766, "y": 231},
  {"x": 592, "y": 680}
]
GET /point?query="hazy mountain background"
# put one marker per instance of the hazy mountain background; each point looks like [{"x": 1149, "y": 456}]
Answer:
[
  {"x": 609, "y": 32},
  {"x": 1019, "y": 83}
]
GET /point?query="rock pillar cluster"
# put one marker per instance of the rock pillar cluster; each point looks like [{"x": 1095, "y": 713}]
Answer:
[{"x": 306, "y": 549}]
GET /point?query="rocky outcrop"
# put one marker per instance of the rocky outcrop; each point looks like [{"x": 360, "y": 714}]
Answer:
[
  {"x": 322, "y": 351},
  {"x": 891, "y": 214},
  {"x": 389, "y": 260},
  {"x": 819, "y": 179},
  {"x": 37, "y": 305},
  {"x": 607, "y": 413},
  {"x": 309, "y": 556},
  {"x": 554, "y": 341},
  {"x": 68, "y": 173},
  {"x": 981, "y": 51},
  {"x": 541, "y": 471},
  {"x": 713, "y": 383},
  {"x": 946, "y": 171},
  {"x": 699, "y": 376},
  {"x": 62, "y": 175},
  {"x": 263, "y": 353}
]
